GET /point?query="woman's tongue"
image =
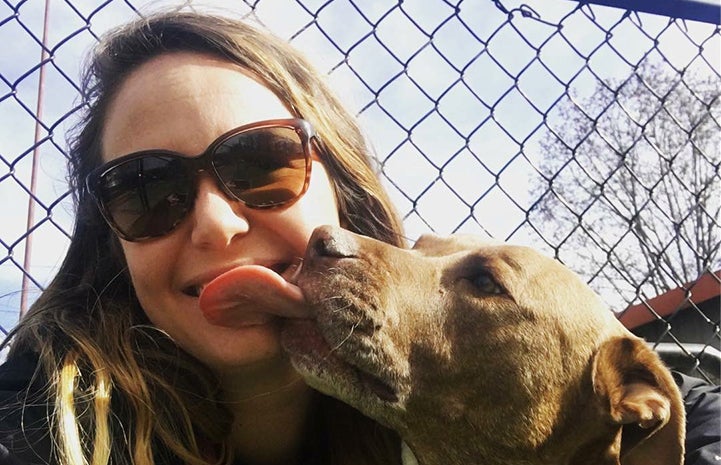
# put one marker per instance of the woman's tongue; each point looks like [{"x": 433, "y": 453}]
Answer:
[{"x": 243, "y": 294}]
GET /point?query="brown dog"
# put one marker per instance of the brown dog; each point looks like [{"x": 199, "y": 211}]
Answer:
[{"x": 481, "y": 353}]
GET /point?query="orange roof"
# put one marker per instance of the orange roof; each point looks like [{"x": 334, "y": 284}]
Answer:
[{"x": 704, "y": 288}]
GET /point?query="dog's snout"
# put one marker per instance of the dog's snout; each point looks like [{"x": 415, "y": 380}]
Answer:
[{"x": 328, "y": 241}]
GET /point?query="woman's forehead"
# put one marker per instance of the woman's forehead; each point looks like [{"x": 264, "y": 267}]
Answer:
[{"x": 181, "y": 102}]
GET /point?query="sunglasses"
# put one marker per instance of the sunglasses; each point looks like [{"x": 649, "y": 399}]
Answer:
[{"x": 147, "y": 194}]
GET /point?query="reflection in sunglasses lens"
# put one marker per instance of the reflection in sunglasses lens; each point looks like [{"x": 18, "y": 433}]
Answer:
[
  {"x": 262, "y": 168},
  {"x": 154, "y": 196}
]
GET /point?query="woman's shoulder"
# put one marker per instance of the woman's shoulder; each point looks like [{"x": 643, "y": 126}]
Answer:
[
  {"x": 24, "y": 432},
  {"x": 16, "y": 373},
  {"x": 702, "y": 402}
]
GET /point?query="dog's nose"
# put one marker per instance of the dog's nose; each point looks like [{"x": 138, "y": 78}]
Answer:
[{"x": 330, "y": 241}]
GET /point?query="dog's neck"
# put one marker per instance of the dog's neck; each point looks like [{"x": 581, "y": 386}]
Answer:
[
  {"x": 469, "y": 436},
  {"x": 584, "y": 432}
]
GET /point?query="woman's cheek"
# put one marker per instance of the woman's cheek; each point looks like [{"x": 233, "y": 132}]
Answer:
[
  {"x": 319, "y": 204},
  {"x": 149, "y": 272}
]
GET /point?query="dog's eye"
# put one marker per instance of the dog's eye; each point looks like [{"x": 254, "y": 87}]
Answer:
[{"x": 485, "y": 283}]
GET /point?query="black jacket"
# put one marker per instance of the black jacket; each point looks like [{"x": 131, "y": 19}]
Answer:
[
  {"x": 24, "y": 436},
  {"x": 703, "y": 420}
]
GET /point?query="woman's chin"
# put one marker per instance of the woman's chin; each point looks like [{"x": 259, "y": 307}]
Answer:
[{"x": 237, "y": 349}]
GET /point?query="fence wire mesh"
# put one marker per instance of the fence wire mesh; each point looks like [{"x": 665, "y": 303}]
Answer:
[{"x": 589, "y": 132}]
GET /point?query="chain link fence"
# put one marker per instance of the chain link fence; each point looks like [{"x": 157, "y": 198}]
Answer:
[{"x": 587, "y": 131}]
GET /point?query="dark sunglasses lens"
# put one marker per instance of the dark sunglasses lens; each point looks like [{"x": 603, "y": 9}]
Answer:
[
  {"x": 264, "y": 167},
  {"x": 146, "y": 197}
]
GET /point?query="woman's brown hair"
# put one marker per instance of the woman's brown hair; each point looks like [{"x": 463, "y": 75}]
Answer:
[{"x": 122, "y": 392}]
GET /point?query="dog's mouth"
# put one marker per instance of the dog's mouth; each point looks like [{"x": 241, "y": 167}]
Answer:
[
  {"x": 377, "y": 386},
  {"x": 326, "y": 370}
]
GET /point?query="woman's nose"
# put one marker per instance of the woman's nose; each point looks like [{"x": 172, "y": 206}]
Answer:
[{"x": 217, "y": 219}]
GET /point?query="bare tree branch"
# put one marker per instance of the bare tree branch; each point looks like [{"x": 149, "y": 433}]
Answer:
[{"x": 630, "y": 181}]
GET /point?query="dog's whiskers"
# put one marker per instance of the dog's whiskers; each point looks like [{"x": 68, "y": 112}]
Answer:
[
  {"x": 331, "y": 298},
  {"x": 287, "y": 386},
  {"x": 345, "y": 339}
]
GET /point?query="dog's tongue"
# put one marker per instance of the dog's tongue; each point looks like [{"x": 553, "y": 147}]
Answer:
[{"x": 247, "y": 292}]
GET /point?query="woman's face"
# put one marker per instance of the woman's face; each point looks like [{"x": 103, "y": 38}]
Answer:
[{"x": 182, "y": 102}]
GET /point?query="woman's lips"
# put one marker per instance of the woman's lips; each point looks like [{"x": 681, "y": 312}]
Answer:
[
  {"x": 241, "y": 294},
  {"x": 193, "y": 291}
]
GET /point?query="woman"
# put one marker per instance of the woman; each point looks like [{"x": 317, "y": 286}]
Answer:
[
  {"x": 115, "y": 385},
  {"x": 115, "y": 362}
]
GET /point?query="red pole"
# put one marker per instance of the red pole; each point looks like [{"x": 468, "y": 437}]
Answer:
[{"x": 33, "y": 173}]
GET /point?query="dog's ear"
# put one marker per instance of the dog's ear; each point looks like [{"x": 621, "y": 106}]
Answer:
[{"x": 638, "y": 395}]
